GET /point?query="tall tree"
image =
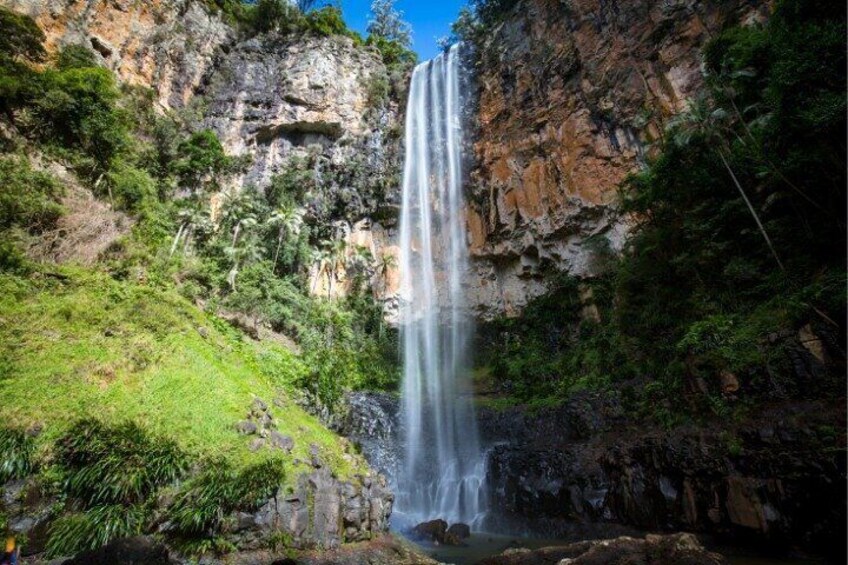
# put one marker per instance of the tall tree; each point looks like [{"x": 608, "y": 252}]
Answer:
[{"x": 387, "y": 23}]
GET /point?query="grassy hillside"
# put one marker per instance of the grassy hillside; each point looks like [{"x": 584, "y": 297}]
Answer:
[{"x": 76, "y": 344}]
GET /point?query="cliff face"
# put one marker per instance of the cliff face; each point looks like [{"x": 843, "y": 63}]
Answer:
[
  {"x": 166, "y": 45},
  {"x": 270, "y": 99},
  {"x": 274, "y": 100},
  {"x": 572, "y": 96}
]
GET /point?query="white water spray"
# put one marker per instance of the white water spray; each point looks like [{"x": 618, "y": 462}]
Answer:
[{"x": 442, "y": 471}]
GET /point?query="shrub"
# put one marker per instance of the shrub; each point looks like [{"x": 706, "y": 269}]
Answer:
[
  {"x": 75, "y": 57},
  {"x": 29, "y": 199},
  {"x": 200, "y": 160},
  {"x": 20, "y": 37},
  {"x": 130, "y": 188},
  {"x": 78, "y": 110},
  {"x": 202, "y": 507}
]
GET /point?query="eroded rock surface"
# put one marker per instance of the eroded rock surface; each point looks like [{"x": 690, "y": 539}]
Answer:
[
  {"x": 572, "y": 96},
  {"x": 166, "y": 45},
  {"x": 324, "y": 511}
]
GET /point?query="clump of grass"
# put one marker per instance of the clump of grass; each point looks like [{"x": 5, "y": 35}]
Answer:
[
  {"x": 110, "y": 475},
  {"x": 97, "y": 526},
  {"x": 202, "y": 508},
  {"x": 17, "y": 454},
  {"x": 117, "y": 465}
]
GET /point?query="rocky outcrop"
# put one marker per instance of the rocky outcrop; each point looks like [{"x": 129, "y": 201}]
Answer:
[
  {"x": 166, "y": 45},
  {"x": 273, "y": 97},
  {"x": 276, "y": 100},
  {"x": 572, "y": 97},
  {"x": 140, "y": 550},
  {"x": 677, "y": 549},
  {"x": 778, "y": 478},
  {"x": 323, "y": 511}
]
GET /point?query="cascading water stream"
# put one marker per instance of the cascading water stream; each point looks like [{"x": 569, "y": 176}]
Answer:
[{"x": 441, "y": 472}]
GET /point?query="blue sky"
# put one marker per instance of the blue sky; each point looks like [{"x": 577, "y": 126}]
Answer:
[{"x": 430, "y": 20}]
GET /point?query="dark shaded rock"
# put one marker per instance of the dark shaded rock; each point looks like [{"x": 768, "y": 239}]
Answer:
[
  {"x": 763, "y": 482},
  {"x": 460, "y": 531},
  {"x": 676, "y": 549},
  {"x": 437, "y": 531},
  {"x": 139, "y": 550},
  {"x": 246, "y": 427},
  {"x": 434, "y": 530},
  {"x": 259, "y": 405},
  {"x": 280, "y": 441}
]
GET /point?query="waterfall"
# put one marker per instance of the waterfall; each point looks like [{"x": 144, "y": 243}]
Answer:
[{"x": 441, "y": 473}]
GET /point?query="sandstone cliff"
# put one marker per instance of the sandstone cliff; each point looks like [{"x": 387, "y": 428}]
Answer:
[
  {"x": 573, "y": 94},
  {"x": 166, "y": 45},
  {"x": 270, "y": 99}
]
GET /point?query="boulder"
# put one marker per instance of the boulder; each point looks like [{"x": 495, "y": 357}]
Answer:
[
  {"x": 246, "y": 428},
  {"x": 282, "y": 442},
  {"x": 434, "y": 530},
  {"x": 460, "y": 531}
]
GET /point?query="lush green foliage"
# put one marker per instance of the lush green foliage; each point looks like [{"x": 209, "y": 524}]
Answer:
[
  {"x": 97, "y": 526},
  {"x": 17, "y": 454},
  {"x": 21, "y": 38},
  {"x": 392, "y": 36},
  {"x": 741, "y": 235},
  {"x": 203, "y": 505},
  {"x": 29, "y": 204},
  {"x": 112, "y": 474},
  {"x": 116, "y": 465},
  {"x": 478, "y": 18}
]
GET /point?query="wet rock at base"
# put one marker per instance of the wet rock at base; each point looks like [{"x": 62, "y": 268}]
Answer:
[
  {"x": 675, "y": 549},
  {"x": 460, "y": 531},
  {"x": 437, "y": 531}
]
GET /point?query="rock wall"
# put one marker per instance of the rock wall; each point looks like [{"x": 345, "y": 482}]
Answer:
[
  {"x": 778, "y": 479},
  {"x": 270, "y": 99},
  {"x": 273, "y": 100},
  {"x": 166, "y": 45},
  {"x": 573, "y": 95}
]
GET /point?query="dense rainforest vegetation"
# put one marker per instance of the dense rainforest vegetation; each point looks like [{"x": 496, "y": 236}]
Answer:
[
  {"x": 739, "y": 235},
  {"x": 137, "y": 338}
]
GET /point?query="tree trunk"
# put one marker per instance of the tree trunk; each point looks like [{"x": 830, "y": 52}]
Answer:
[
  {"x": 177, "y": 240},
  {"x": 752, "y": 210},
  {"x": 277, "y": 252},
  {"x": 236, "y": 234},
  {"x": 231, "y": 276}
]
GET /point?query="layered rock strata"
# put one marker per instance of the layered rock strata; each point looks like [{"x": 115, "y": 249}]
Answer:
[{"x": 573, "y": 96}]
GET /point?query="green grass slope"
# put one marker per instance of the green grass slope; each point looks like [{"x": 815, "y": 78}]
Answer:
[{"x": 77, "y": 343}]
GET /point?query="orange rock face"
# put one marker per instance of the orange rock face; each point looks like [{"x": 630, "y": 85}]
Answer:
[
  {"x": 573, "y": 96},
  {"x": 166, "y": 45}
]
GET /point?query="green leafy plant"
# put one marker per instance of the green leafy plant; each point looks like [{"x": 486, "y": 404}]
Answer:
[
  {"x": 202, "y": 507},
  {"x": 81, "y": 531},
  {"x": 17, "y": 454},
  {"x": 121, "y": 464}
]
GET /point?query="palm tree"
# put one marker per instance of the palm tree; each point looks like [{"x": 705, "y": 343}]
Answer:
[
  {"x": 289, "y": 220},
  {"x": 188, "y": 219},
  {"x": 248, "y": 252},
  {"x": 701, "y": 120},
  {"x": 385, "y": 264},
  {"x": 322, "y": 257},
  {"x": 338, "y": 259}
]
